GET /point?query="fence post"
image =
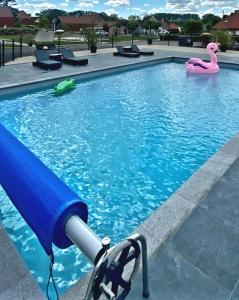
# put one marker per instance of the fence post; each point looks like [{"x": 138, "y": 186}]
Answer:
[
  {"x": 13, "y": 49},
  {"x": 3, "y": 53},
  {"x": 21, "y": 46},
  {"x": 132, "y": 39},
  {"x": 112, "y": 41}
]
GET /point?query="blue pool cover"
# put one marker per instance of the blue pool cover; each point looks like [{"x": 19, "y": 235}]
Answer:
[{"x": 42, "y": 199}]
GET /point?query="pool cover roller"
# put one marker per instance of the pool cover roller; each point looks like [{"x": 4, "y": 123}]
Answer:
[{"x": 42, "y": 199}]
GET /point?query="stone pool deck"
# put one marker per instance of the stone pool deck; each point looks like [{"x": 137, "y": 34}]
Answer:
[
  {"x": 20, "y": 74},
  {"x": 193, "y": 238}
]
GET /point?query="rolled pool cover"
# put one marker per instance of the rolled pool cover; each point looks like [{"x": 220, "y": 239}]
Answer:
[{"x": 42, "y": 199}]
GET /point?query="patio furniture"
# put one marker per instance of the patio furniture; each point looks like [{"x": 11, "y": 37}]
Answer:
[
  {"x": 122, "y": 52},
  {"x": 68, "y": 57},
  {"x": 43, "y": 61},
  {"x": 55, "y": 56},
  {"x": 135, "y": 49}
]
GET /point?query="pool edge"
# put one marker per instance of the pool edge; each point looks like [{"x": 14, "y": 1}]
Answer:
[
  {"x": 41, "y": 83},
  {"x": 169, "y": 216}
]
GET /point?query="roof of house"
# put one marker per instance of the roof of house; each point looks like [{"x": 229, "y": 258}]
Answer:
[
  {"x": 173, "y": 26},
  {"x": 5, "y": 12},
  {"x": 165, "y": 25},
  {"x": 82, "y": 20},
  {"x": 229, "y": 22},
  {"x": 91, "y": 19},
  {"x": 113, "y": 23},
  {"x": 23, "y": 15}
]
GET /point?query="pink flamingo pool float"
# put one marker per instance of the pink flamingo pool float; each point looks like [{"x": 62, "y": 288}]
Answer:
[{"x": 197, "y": 65}]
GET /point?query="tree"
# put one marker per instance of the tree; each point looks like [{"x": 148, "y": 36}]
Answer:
[
  {"x": 193, "y": 27},
  {"x": 52, "y": 13},
  {"x": 209, "y": 20},
  {"x": 44, "y": 22},
  {"x": 150, "y": 24},
  {"x": 7, "y": 3},
  {"x": 133, "y": 22}
]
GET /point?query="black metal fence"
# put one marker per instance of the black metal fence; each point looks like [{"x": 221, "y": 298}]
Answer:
[
  {"x": 9, "y": 50},
  {"x": 12, "y": 49}
]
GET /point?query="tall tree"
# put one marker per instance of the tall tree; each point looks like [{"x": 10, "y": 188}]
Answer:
[
  {"x": 7, "y": 3},
  {"x": 133, "y": 22},
  {"x": 193, "y": 27},
  {"x": 52, "y": 13},
  {"x": 209, "y": 20}
]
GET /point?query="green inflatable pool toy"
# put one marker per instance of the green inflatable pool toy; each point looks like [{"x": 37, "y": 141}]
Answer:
[{"x": 64, "y": 86}]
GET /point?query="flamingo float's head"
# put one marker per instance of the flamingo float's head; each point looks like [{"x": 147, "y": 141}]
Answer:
[{"x": 212, "y": 47}]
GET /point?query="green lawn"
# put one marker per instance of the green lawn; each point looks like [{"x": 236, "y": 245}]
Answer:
[{"x": 25, "y": 39}]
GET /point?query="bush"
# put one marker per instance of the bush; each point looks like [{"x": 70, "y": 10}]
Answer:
[
  {"x": 224, "y": 38},
  {"x": 91, "y": 37},
  {"x": 17, "y": 31}
]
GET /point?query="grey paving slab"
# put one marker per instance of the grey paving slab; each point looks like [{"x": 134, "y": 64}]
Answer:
[
  {"x": 165, "y": 221},
  {"x": 16, "y": 281},
  {"x": 10, "y": 265},
  {"x": 211, "y": 245},
  {"x": 172, "y": 277},
  {"x": 223, "y": 201},
  {"x": 26, "y": 289},
  {"x": 235, "y": 293}
]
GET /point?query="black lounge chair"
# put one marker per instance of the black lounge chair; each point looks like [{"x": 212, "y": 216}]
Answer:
[
  {"x": 43, "y": 61},
  {"x": 135, "y": 49},
  {"x": 68, "y": 57},
  {"x": 122, "y": 52}
]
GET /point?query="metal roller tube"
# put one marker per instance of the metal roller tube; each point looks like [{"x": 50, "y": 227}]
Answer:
[{"x": 83, "y": 237}]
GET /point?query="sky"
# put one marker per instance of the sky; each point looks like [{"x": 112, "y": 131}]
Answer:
[{"x": 124, "y": 8}]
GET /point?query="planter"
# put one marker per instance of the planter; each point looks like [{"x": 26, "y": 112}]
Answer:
[
  {"x": 93, "y": 49},
  {"x": 150, "y": 41},
  {"x": 223, "y": 48}
]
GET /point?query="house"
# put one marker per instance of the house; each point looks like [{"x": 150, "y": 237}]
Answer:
[
  {"x": 73, "y": 23},
  {"x": 6, "y": 17},
  {"x": 230, "y": 23},
  {"x": 115, "y": 28},
  {"x": 169, "y": 26},
  {"x": 24, "y": 18}
]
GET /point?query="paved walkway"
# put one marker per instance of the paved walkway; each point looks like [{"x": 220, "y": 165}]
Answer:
[{"x": 201, "y": 260}]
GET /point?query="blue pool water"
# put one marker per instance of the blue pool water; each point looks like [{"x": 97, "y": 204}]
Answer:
[{"x": 124, "y": 143}]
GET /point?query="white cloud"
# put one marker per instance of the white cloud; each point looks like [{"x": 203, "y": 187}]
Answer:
[
  {"x": 116, "y": 3},
  {"x": 111, "y": 11},
  {"x": 154, "y": 11},
  {"x": 137, "y": 9},
  {"x": 201, "y": 6},
  {"x": 35, "y": 7},
  {"x": 84, "y": 5},
  {"x": 63, "y": 4},
  {"x": 146, "y": 5}
]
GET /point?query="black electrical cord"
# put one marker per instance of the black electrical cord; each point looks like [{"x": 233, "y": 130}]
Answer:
[{"x": 51, "y": 278}]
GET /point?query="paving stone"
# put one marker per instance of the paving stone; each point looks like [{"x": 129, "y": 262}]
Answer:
[
  {"x": 211, "y": 245},
  {"x": 235, "y": 293},
  {"x": 26, "y": 289},
  {"x": 223, "y": 201},
  {"x": 12, "y": 269},
  {"x": 172, "y": 277}
]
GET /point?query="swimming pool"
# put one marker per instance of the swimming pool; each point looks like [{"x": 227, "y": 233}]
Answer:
[{"x": 124, "y": 143}]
